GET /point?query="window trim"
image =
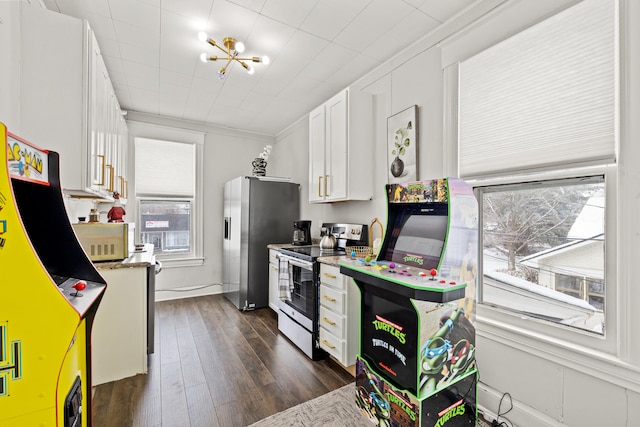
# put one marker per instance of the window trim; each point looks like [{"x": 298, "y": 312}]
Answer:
[{"x": 574, "y": 347}]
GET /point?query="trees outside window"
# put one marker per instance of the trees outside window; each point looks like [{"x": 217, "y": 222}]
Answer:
[{"x": 543, "y": 250}]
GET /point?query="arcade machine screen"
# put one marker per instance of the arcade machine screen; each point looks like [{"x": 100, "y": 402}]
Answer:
[{"x": 418, "y": 236}]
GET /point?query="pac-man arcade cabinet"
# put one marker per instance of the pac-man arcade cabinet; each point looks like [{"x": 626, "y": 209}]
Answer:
[{"x": 50, "y": 294}]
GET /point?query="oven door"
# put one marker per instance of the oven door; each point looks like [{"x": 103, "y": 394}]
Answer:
[{"x": 303, "y": 290}]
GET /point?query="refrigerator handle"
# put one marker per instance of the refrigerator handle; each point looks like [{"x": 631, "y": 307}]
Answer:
[{"x": 227, "y": 227}]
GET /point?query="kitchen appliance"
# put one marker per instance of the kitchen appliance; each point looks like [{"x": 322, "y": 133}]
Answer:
[
  {"x": 105, "y": 242},
  {"x": 298, "y": 313},
  {"x": 257, "y": 211},
  {"x": 301, "y": 233},
  {"x": 328, "y": 241}
]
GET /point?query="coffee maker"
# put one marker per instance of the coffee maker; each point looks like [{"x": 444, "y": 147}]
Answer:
[{"x": 301, "y": 233}]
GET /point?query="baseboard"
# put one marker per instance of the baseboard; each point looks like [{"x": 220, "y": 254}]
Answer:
[
  {"x": 187, "y": 292},
  {"x": 520, "y": 414}
]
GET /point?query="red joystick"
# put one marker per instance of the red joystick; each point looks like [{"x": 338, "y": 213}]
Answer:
[
  {"x": 79, "y": 286},
  {"x": 433, "y": 272}
]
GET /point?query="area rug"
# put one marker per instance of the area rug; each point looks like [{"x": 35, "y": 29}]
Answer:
[{"x": 336, "y": 408}]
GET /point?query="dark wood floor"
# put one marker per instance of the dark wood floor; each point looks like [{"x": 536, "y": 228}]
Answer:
[{"x": 215, "y": 366}]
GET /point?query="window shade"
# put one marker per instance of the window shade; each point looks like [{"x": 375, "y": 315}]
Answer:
[
  {"x": 164, "y": 168},
  {"x": 544, "y": 97}
]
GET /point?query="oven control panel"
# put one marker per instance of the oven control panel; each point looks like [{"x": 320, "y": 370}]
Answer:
[{"x": 348, "y": 231}]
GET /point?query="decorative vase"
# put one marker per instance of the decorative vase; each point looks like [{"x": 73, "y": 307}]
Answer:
[
  {"x": 397, "y": 167},
  {"x": 259, "y": 166}
]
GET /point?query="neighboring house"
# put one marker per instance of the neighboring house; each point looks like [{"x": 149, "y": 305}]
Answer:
[
  {"x": 576, "y": 268},
  {"x": 167, "y": 232},
  {"x": 570, "y": 288}
]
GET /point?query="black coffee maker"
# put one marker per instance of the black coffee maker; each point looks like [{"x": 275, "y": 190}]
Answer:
[{"x": 301, "y": 233}]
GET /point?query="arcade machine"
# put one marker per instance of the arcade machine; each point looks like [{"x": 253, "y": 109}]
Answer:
[
  {"x": 416, "y": 365},
  {"x": 50, "y": 294}
]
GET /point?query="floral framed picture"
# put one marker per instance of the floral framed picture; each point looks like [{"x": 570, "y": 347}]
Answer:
[{"x": 402, "y": 144}]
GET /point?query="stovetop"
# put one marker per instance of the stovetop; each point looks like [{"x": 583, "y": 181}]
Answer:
[{"x": 310, "y": 253}]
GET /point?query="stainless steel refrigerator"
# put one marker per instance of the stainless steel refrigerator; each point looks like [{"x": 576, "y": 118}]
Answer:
[{"x": 257, "y": 211}]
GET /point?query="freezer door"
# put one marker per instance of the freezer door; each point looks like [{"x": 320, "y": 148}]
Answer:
[{"x": 231, "y": 240}]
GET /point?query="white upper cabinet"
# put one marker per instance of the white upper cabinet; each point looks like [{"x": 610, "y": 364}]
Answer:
[
  {"x": 340, "y": 148},
  {"x": 67, "y": 102}
]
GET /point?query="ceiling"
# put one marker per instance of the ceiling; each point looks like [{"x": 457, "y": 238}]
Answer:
[{"x": 316, "y": 47}]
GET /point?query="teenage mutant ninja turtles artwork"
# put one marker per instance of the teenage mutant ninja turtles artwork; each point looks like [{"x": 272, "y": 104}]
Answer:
[{"x": 449, "y": 351}]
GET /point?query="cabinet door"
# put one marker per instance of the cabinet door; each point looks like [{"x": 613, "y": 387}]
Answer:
[
  {"x": 336, "y": 147},
  {"x": 122, "y": 147},
  {"x": 317, "y": 179},
  {"x": 100, "y": 98}
]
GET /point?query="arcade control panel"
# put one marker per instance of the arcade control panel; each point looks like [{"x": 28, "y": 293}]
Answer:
[
  {"x": 80, "y": 293},
  {"x": 416, "y": 283}
]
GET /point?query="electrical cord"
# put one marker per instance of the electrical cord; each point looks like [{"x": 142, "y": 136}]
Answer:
[{"x": 497, "y": 422}]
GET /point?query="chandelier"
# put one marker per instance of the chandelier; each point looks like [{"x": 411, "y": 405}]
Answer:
[{"x": 231, "y": 48}]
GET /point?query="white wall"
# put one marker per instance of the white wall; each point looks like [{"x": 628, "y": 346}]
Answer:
[
  {"x": 416, "y": 82},
  {"x": 9, "y": 65}
]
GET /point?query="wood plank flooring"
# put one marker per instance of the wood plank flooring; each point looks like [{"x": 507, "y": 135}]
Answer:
[{"x": 215, "y": 366}]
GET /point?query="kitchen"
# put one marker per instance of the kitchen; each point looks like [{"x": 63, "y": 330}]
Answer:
[{"x": 415, "y": 77}]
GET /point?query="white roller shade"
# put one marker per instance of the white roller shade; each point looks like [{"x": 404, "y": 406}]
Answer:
[
  {"x": 165, "y": 168},
  {"x": 546, "y": 96}
]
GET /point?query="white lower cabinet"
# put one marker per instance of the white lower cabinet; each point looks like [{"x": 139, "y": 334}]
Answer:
[
  {"x": 339, "y": 315},
  {"x": 274, "y": 294},
  {"x": 119, "y": 333}
]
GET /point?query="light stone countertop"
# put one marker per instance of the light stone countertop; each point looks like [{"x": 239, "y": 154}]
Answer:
[{"x": 143, "y": 258}]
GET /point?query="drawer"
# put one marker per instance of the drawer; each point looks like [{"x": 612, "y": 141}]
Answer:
[
  {"x": 332, "y": 345},
  {"x": 330, "y": 275},
  {"x": 332, "y": 299},
  {"x": 332, "y": 322}
]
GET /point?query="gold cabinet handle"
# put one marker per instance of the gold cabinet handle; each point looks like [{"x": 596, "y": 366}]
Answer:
[
  {"x": 330, "y": 276},
  {"x": 328, "y": 298},
  {"x": 124, "y": 187},
  {"x": 110, "y": 167},
  {"x": 319, "y": 181},
  {"x": 328, "y": 344},
  {"x": 328, "y": 321},
  {"x": 326, "y": 180},
  {"x": 274, "y": 268},
  {"x": 101, "y": 157}
]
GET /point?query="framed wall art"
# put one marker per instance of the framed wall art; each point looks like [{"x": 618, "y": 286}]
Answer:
[{"x": 402, "y": 144}]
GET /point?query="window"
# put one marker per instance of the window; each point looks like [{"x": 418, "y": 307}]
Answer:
[
  {"x": 537, "y": 130},
  {"x": 166, "y": 194},
  {"x": 166, "y": 224},
  {"x": 543, "y": 250}
]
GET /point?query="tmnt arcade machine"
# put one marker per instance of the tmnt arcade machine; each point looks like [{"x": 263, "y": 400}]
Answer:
[
  {"x": 416, "y": 365},
  {"x": 50, "y": 294}
]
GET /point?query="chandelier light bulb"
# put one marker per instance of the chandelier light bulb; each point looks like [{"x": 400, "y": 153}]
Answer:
[
  {"x": 203, "y": 36},
  {"x": 250, "y": 70},
  {"x": 222, "y": 73},
  {"x": 204, "y": 57},
  {"x": 239, "y": 47},
  {"x": 265, "y": 60}
]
